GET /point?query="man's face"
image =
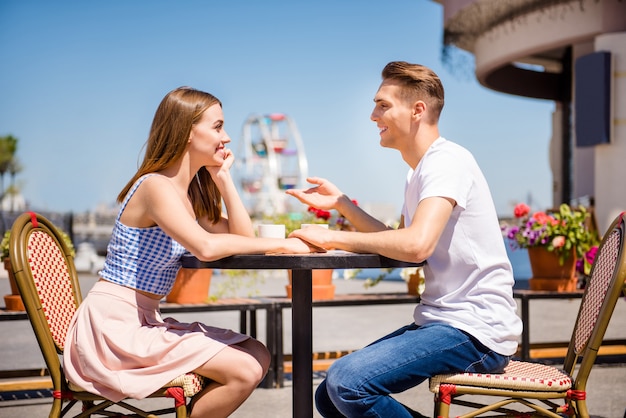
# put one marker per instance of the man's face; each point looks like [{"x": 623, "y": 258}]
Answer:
[{"x": 392, "y": 115}]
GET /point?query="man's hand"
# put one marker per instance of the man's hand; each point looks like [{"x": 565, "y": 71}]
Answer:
[{"x": 323, "y": 196}]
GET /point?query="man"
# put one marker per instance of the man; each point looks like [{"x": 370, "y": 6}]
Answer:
[{"x": 466, "y": 320}]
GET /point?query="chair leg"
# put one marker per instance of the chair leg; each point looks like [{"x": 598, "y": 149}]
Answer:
[
  {"x": 441, "y": 409},
  {"x": 181, "y": 411},
  {"x": 581, "y": 408},
  {"x": 55, "y": 411},
  {"x": 88, "y": 405}
]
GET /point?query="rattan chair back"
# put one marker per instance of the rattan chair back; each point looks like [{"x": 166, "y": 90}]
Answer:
[
  {"x": 602, "y": 291},
  {"x": 48, "y": 283}
]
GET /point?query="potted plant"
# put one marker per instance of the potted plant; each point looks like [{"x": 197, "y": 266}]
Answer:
[
  {"x": 191, "y": 286},
  {"x": 13, "y": 302},
  {"x": 560, "y": 244},
  {"x": 414, "y": 278}
]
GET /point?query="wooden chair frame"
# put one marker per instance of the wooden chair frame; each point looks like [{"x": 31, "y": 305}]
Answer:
[
  {"x": 48, "y": 283},
  {"x": 541, "y": 390}
]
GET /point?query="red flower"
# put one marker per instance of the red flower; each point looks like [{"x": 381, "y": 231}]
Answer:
[
  {"x": 319, "y": 213},
  {"x": 521, "y": 210},
  {"x": 326, "y": 215}
]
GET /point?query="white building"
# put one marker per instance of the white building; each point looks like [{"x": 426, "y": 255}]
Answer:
[
  {"x": 572, "y": 52},
  {"x": 13, "y": 203}
]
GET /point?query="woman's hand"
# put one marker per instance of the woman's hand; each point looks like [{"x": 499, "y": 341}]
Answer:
[
  {"x": 296, "y": 246},
  {"x": 222, "y": 171}
]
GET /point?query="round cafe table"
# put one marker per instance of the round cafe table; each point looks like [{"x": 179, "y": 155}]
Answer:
[{"x": 302, "y": 266}]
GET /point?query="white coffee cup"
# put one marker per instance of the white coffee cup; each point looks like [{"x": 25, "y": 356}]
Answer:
[
  {"x": 302, "y": 226},
  {"x": 272, "y": 231}
]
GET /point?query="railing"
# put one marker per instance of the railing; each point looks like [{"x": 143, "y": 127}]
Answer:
[{"x": 612, "y": 351}]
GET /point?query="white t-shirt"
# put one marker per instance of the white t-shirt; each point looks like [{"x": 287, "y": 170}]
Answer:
[{"x": 469, "y": 278}]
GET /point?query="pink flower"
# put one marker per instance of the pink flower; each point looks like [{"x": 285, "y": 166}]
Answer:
[
  {"x": 590, "y": 255},
  {"x": 583, "y": 265},
  {"x": 558, "y": 242},
  {"x": 521, "y": 210},
  {"x": 542, "y": 218}
]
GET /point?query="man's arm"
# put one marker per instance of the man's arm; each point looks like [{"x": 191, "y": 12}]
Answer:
[{"x": 414, "y": 243}]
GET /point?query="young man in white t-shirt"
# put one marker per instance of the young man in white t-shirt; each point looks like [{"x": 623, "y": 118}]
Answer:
[{"x": 466, "y": 320}]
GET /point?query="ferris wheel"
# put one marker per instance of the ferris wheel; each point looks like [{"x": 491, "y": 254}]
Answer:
[{"x": 271, "y": 159}]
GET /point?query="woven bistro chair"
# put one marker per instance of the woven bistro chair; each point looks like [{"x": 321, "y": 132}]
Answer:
[
  {"x": 48, "y": 283},
  {"x": 534, "y": 389}
]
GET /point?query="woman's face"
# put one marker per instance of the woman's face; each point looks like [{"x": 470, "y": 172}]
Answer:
[{"x": 208, "y": 137}]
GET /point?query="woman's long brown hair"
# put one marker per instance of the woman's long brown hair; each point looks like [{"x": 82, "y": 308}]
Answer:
[{"x": 179, "y": 110}]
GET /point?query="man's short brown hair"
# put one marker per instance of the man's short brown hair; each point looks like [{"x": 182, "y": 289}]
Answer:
[{"x": 418, "y": 82}]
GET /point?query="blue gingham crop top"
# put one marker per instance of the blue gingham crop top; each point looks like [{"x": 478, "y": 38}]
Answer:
[{"x": 145, "y": 259}]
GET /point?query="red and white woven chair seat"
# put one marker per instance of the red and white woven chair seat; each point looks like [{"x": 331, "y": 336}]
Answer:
[
  {"x": 518, "y": 375},
  {"x": 191, "y": 384}
]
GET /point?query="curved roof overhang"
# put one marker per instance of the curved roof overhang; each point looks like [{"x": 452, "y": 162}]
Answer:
[
  {"x": 528, "y": 83},
  {"x": 523, "y": 47}
]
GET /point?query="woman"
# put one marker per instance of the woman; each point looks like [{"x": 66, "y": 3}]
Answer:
[{"x": 118, "y": 346}]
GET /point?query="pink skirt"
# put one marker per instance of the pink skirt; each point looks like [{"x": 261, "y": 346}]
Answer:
[{"x": 118, "y": 346}]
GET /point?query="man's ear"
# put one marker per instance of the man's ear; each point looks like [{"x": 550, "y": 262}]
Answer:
[{"x": 419, "y": 108}]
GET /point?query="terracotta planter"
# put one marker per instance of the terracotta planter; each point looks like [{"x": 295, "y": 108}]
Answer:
[
  {"x": 323, "y": 287},
  {"x": 413, "y": 284},
  {"x": 12, "y": 302},
  {"x": 549, "y": 274},
  {"x": 191, "y": 286}
]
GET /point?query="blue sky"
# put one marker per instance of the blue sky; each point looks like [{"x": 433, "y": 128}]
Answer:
[{"x": 80, "y": 82}]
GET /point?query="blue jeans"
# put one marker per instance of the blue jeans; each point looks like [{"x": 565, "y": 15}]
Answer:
[{"x": 360, "y": 384}]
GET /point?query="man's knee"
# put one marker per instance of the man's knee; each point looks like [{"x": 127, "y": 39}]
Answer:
[
  {"x": 323, "y": 403},
  {"x": 343, "y": 382}
]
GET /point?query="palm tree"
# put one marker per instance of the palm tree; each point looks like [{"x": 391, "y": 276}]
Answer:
[
  {"x": 8, "y": 162},
  {"x": 14, "y": 168}
]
